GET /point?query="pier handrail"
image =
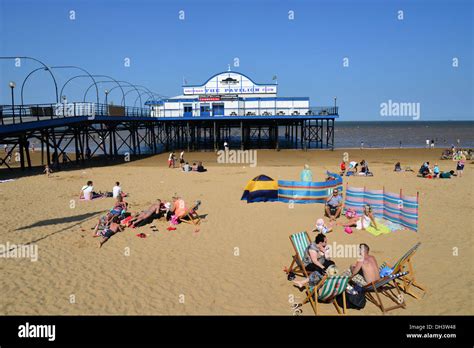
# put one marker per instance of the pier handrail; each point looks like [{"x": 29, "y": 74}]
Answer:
[{"x": 37, "y": 112}]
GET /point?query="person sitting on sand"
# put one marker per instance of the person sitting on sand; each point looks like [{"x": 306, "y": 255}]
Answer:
[
  {"x": 200, "y": 168},
  {"x": 435, "y": 171},
  {"x": 154, "y": 209},
  {"x": 306, "y": 174},
  {"x": 343, "y": 168},
  {"x": 87, "y": 191},
  {"x": 398, "y": 167},
  {"x": 321, "y": 227},
  {"x": 363, "y": 166},
  {"x": 177, "y": 211},
  {"x": 117, "y": 190},
  {"x": 353, "y": 166},
  {"x": 366, "y": 266},
  {"x": 334, "y": 205},
  {"x": 316, "y": 260},
  {"x": 362, "y": 222},
  {"x": 186, "y": 167},
  {"x": 194, "y": 167},
  {"x": 109, "y": 231}
]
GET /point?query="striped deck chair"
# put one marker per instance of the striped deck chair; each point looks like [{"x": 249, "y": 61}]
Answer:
[
  {"x": 385, "y": 286},
  {"x": 300, "y": 241},
  {"x": 191, "y": 216},
  {"x": 405, "y": 264},
  {"x": 327, "y": 290}
]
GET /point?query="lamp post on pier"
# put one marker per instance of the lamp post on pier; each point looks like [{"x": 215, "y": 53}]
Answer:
[{"x": 12, "y": 85}]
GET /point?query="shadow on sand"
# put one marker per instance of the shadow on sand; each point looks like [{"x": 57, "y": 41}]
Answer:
[{"x": 64, "y": 220}]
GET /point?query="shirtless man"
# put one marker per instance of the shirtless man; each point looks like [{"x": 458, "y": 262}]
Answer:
[
  {"x": 153, "y": 209},
  {"x": 110, "y": 231},
  {"x": 367, "y": 264}
]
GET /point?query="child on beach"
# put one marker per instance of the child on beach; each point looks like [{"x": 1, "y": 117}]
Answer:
[
  {"x": 460, "y": 166},
  {"x": 343, "y": 167},
  {"x": 435, "y": 170},
  {"x": 47, "y": 171},
  {"x": 321, "y": 227}
]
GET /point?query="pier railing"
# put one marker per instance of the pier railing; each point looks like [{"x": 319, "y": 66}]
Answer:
[
  {"x": 36, "y": 112},
  {"x": 247, "y": 111}
]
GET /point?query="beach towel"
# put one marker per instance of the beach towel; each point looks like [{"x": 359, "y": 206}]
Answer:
[
  {"x": 7, "y": 180},
  {"x": 382, "y": 229},
  {"x": 393, "y": 226}
]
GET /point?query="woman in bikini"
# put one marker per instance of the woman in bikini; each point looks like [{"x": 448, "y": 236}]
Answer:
[
  {"x": 361, "y": 222},
  {"x": 154, "y": 209}
]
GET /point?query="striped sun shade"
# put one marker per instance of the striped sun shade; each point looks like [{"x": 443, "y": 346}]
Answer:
[
  {"x": 308, "y": 192},
  {"x": 394, "y": 207}
]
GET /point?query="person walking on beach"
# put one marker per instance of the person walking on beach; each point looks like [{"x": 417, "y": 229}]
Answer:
[
  {"x": 171, "y": 160},
  {"x": 226, "y": 146},
  {"x": 88, "y": 153},
  {"x": 362, "y": 144},
  {"x": 432, "y": 143},
  {"x": 181, "y": 159},
  {"x": 47, "y": 171},
  {"x": 427, "y": 143}
]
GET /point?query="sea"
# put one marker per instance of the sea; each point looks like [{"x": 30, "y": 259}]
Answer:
[{"x": 406, "y": 134}]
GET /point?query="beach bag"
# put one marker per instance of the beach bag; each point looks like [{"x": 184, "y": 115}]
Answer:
[
  {"x": 353, "y": 301},
  {"x": 174, "y": 220}
]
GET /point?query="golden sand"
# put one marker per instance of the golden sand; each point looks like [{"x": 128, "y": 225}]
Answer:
[{"x": 234, "y": 264}]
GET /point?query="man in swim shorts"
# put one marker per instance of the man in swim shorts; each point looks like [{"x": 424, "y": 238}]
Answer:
[
  {"x": 334, "y": 205},
  {"x": 110, "y": 231}
]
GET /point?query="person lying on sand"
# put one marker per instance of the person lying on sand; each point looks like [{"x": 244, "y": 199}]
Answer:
[
  {"x": 120, "y": 207},
  {"x": 154, "y": 209},
  {"x": 110, "y": 231}
]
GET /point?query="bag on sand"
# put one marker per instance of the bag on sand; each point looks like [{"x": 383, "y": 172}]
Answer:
[{"x": 356, "y": 301}]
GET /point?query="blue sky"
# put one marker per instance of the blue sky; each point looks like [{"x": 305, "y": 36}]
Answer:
[{"x": 407, "y": 60}]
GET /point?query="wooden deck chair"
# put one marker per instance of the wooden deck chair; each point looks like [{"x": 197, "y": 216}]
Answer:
[
  {"x": 405, "y": 264},
  {"x": 327, "y": 290},
  {"x": 191, "y": 216},
  {"x": 385, "y": 286},
  {"x": 300, "y": 241}
]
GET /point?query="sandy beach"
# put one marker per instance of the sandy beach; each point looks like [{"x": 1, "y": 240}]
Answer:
[{"x": 234, "y": 264}]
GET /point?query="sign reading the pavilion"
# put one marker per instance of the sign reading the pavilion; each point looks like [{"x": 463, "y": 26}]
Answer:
[{"x": 229, "y": 83}]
